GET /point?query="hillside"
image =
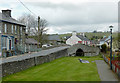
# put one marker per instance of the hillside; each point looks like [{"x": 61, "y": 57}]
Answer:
[{"x": 90, "y": 35}]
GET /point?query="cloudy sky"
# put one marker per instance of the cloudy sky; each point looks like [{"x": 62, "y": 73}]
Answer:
[{"x": 66, "y": 16}]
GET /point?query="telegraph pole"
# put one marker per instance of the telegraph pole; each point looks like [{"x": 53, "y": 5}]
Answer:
[{"x": 38, "y": 29}]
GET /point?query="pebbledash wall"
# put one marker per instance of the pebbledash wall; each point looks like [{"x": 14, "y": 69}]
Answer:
[{"x": 17, "y": 66}]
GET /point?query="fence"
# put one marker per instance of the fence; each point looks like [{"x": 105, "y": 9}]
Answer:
[
  {"x": 21, "y": 49},
  {"x": 115, "y": 64}
]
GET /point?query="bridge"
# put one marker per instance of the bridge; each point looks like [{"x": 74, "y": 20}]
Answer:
[
  {"x": 15, "y": 64},
  {"x": 83, "y": 50}
]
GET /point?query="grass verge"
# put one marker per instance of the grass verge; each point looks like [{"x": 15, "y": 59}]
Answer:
[{"x": 62, "y": 69}]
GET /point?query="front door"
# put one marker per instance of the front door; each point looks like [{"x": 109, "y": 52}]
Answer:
[{"x": 10, "y": 44}]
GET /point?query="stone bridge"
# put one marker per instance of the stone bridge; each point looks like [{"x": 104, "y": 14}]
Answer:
[{"x": 83, "y": 50}]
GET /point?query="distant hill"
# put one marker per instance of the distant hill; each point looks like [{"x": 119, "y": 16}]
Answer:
[
  {"x": 90, "y": 35},
  {"x": 100, "y": 34}
]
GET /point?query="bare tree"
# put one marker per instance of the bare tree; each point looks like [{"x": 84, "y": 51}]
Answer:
[
  {"x": 32, "y": 26},
  {"x": 41, "y": 32},
  {"x": 29, "y": 21}
]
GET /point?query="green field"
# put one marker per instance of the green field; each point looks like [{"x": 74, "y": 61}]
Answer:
[
  {"x": 100, "y": 34},
  {"x": 62, "y": 69},
  {"x": 90, "y": 34}
]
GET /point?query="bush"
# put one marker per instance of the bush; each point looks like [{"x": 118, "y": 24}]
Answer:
[{"x": 104, "y": 48}]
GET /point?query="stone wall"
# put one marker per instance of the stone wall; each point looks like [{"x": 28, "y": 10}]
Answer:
[{"x": 17, "y": 66}]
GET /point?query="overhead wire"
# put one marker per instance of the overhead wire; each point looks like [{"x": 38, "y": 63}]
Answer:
[{"x": 27, "y": 8}]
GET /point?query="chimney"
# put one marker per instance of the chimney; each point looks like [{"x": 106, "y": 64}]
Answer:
[
  {"x": 74, "y": 33},
  {"x": 7, "y": 13},
  {"x": 82, "y": 34}
]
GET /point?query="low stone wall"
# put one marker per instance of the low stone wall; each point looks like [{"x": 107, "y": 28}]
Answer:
[{"x": 17, "y": 66}]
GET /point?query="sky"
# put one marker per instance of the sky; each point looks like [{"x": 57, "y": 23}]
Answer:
[{"x": 65, "y": 16}]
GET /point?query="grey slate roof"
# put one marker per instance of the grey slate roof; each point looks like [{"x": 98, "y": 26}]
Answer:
[
  {"x": 9, "y": 19},
  {"x": 79, "y": 36},
  {"x": 82, "y": 37},
  {"x": 31, "y": 41},
  {"x": 103, "y": 39},
  {"x": 95, "y": 42},
  {"x": 67, "y": 37},
  {"x": 54, "y": 37}
]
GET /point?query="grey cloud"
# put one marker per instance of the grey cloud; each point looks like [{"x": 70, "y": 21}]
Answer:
[
  {"x": 68, "y": 6},
  {"x": 68, "y": 14}
]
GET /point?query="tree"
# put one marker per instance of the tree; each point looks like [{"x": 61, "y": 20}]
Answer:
[
  {"x": 115, "y": 43},
  {"x": 29, "y": 21},
  {"x": 41, "y": 32},
  {"x": 95, "y": 31},
  {"x": 32, "y": 24}
]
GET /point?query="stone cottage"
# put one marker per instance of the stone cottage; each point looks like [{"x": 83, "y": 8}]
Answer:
[
  {"x": 12, "y": 34},
  {"x": 31, "y": 45},
  {"x": 54, "y": 39}
]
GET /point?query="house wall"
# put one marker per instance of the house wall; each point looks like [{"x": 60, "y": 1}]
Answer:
[
  {"x": 30, "y": 47},
  {"x": 16, "y": 34},
  {"x": 0, "y": 42},
  {"x": 73, "y": 40},
  {"x": 0, "y": 36}
]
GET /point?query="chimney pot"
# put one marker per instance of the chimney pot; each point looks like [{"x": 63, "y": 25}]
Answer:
[
  {"x": 74, "y": 33},
  {"x": 7, "y": 13}
]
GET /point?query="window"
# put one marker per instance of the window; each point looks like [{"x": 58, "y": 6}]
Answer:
[
  {"x": 5, "y": 28},
  {"x": 15, "y": 29},
  {"x": 12, "y": 29},
  {"x": 4, "y": 42},
  {"x": 20, "y": 30},
  {"x": 10, "y": 44}
]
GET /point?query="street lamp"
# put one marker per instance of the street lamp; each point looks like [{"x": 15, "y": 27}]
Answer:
[{"x": 111, "y": 26}]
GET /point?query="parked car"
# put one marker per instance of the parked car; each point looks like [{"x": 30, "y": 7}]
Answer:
[{"x": 46, "y": 45}]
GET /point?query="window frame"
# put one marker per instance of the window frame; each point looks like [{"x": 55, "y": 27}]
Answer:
[
  {"x": 15, "y": 29},
  {"x": 12, "y": 30},
  {"x": 5, "y": 28}
]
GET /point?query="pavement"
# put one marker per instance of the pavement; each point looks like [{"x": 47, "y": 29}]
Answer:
[
  {"x": 26, "y": 56},
  {"x": 104, "y": 71}
]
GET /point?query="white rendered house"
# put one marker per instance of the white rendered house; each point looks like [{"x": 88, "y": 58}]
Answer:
[{"x": 74, "y": 39}]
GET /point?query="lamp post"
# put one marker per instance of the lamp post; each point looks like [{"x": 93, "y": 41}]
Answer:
[{"x": 111, "y": 26}]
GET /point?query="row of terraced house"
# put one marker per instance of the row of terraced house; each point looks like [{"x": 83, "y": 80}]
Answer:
[
  {"x": 12, "y": 34},
  {"x": 13, "y": 37}
]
